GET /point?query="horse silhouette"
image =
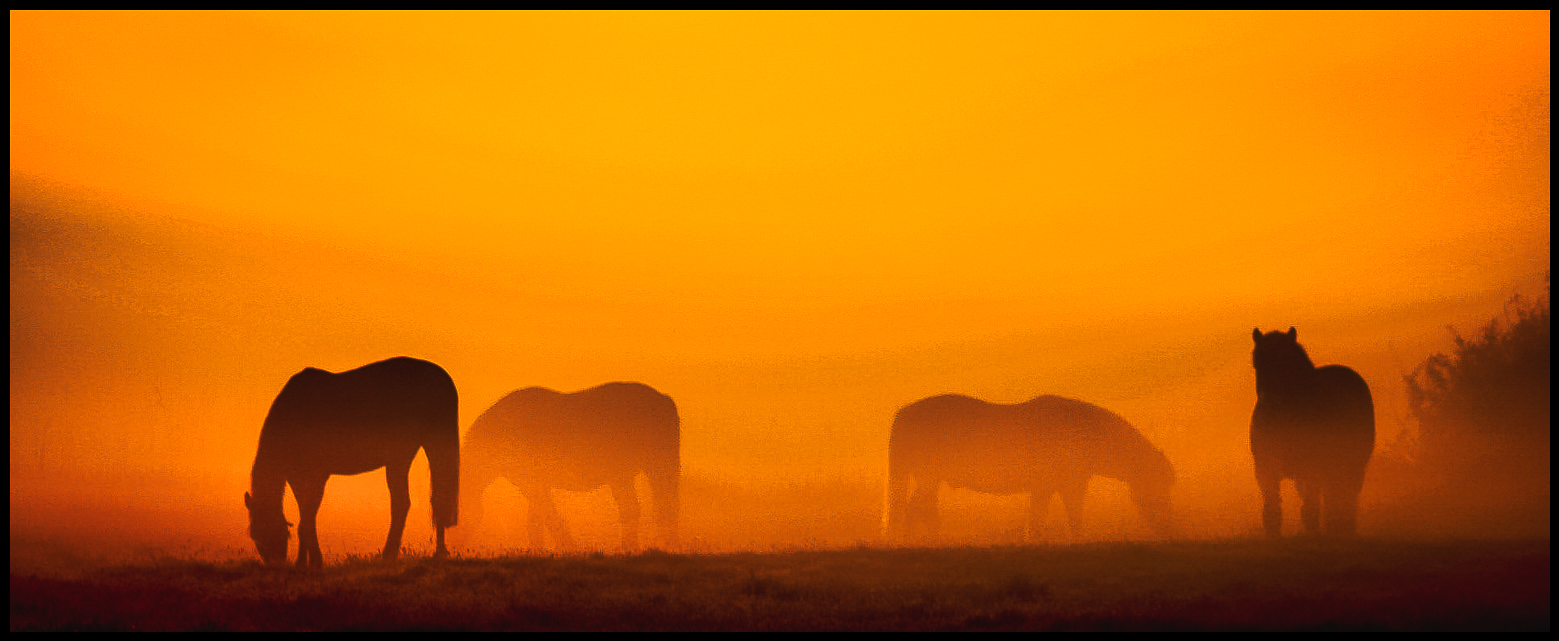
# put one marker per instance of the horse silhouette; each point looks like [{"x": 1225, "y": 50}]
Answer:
[
  {"x": 1315, "y": 425},
  {"x": 1044, "y": 446},
  {"x": 357, "y": 421},
  {"x": 540, "y": 439}
]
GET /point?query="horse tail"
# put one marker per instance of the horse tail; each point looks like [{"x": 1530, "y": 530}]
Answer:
[
  {"x": 443, "y": 451},
  {"x": 476, "y": 474}
]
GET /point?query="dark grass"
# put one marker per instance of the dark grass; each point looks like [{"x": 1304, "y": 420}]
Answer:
[{"x": 1228, "y": 585}]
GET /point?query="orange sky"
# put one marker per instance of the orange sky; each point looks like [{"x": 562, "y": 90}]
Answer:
[{"x": 792, "y": 223}]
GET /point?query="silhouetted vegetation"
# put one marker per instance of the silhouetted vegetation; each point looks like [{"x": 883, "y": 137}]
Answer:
[
  {"x": 1490, "y": 397},
  {"x": 1480, "y": 461}
]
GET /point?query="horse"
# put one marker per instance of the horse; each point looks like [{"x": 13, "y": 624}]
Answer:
[
  {"x": 1044, "y": 446},
  {"x": 540, "y": 439},
  {"x": 1315, "y": 425},
  {"x": 325, "y": 423}
]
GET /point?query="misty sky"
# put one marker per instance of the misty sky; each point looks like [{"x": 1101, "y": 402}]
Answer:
[{"x": 792, "y": 223}]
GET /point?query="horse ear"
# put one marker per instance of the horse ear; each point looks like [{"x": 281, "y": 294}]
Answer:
[
  {"x": 1293, "y": 334},
  {"x": 1256, "y": 334}
]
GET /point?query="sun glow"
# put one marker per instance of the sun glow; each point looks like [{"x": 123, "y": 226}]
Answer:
[{"x": 792, "y": 223}]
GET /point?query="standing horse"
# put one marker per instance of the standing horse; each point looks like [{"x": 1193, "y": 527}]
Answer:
[
  {"x": 1044, "y": 446},
  {"x": 375, "y": 416},
  {"x": 540, "y": 439},
  {"x": 1313, "y": 425}
]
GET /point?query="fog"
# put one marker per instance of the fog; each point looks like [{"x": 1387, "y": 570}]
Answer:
[
  {"x": 137, "y": 400},
  {"x": 832, "y": 237}
]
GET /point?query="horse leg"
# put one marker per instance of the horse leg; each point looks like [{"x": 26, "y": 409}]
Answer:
[
  {"x": 1271, "y": 486},
  {"x": 535, "y": 525},
  {"x": 1342, "y": 509},
  {"x": 439, "y": 551},
  {"x": 395, "y": 475},
  {"x": 1310, "y": 503},
  {"x": 922, "y": 508},
  {"x": 1039, "y": 510},
  {"x": 627, "y": 512},
  {"x": 543, "y": 515},
  {"x": 895, "y": 515},
  {"x": 666, "y": 499},
  {"x": 1342, "y": 504},
  {"x": 309, "y": 493},
  {"x": 438, "y": 543},
  {"x": 1072, "y": 494}
]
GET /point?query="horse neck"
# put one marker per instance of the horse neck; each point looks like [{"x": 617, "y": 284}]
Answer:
[
  {"x": 267, "y": 483},
  {"x": 1290, "y": 381},
  {"x": 1136, "y": 464}
]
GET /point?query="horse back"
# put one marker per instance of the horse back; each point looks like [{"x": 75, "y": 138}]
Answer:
[
  {"x": 942, "y": 426},
  {"x": 593, "y": 434},
  {"x": 1326, "y": 424},
  {"x": 1044, "y": 423},
  {"x": 613, "y": 410},
  {"x": 639, "y": 407},
  {"x": 1344, "y": 395},
  {"x": 998, "y": 448},
  {"x": 364, "y": 417}
]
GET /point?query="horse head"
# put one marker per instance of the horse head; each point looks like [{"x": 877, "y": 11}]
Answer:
[
  {"x": 1150, "y": 490},
  {"x": 1279, "y": 359},
  {"x": 269, "y": 529}
]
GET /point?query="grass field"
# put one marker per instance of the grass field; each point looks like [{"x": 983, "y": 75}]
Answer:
[{"x": 1294, "y": 584}]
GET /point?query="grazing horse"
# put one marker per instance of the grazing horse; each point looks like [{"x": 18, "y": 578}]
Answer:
[
  {"x": 540, "y": 439},
  {"x": 1044, "y": 446},
  {"x": 375, "y": 416},
  {"x": 1315, "y": 425}
]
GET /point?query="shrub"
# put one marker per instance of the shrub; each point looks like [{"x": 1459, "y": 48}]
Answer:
[{"x": 1485, "y": 407}]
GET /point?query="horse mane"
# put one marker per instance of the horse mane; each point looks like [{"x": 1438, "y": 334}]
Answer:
[{"x": 1145, "y": 461}]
